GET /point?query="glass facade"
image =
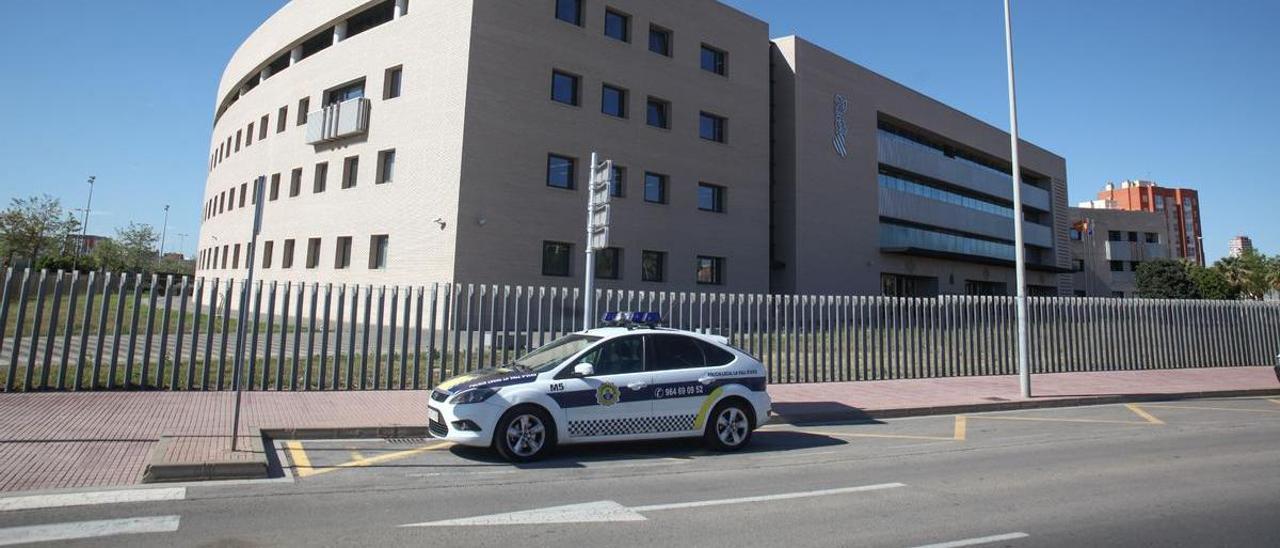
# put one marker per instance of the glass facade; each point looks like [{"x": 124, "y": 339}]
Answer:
[
  {"x": 896, "y": 235},
  {"x": 934, "y": 193}
]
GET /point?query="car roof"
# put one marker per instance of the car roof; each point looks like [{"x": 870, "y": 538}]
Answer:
[{"x": 609, "y": 332}]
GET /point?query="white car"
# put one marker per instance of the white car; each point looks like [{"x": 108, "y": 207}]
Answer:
[{"x": 610, "y": 384}]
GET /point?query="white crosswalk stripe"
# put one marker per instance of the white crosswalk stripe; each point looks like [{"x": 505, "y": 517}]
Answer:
[
  {"x": 87, "y": 529},
  {"x": 61, "y": 500}
]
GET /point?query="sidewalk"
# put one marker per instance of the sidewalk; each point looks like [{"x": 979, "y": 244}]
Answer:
[{"x": 63, "y": 440}]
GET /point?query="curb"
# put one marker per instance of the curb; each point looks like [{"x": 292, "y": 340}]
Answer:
[
  {"x": 870, "y": 414},
  {"x": 161, "y": 471}
]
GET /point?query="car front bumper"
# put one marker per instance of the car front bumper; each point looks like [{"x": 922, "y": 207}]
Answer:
[{"x": 467, "y": 424}]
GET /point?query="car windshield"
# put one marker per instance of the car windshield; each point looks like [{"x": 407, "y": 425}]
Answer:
[{"x": 548, "y": 356}]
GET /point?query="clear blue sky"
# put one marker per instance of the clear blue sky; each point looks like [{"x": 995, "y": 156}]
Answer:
[{"x": 1180, "y": 91}]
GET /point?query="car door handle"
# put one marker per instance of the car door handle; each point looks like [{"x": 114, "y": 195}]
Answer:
[
  {"x": 638, "y": 385},
  {"x": 706, "y": 380}
]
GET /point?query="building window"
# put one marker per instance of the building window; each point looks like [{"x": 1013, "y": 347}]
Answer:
[
  {"x": 346, "y": 92},
  {"x": 313, "y": 253},
  {"x": 1076, "y": 235},
  {"x": 564, "y": 88},
  {"x": 1117, "y": 294},
  {"x": 618, "y": 185},
  {"x": 248, "y": 135},
  {"x": 1152, "y": 238},
  {"x": 711, "y": 197},
  {"x": 238, "y": 134},
  {"x": 1133, "y": 266},
  {"x": 286, "y": 259},
  {"x": 282, "y": 119},
  {"x": 653, "y": 266},
  {"x": 655, "y": 188},
  {"x": 659, "y": 113},
  {"x": 378, "y": 251},
  {"x": 386, "y": 166},
  {"x": 711, "y": 127},
  {"x": 262, "y": 126},
  {"x": 1114, "y": 236},
  {"x": 321, "y": 178},
  {"x": 1133, "y": 236},
  {"x": 569, "y": 11},
  {"x": 268, "y": 248},
  {"x": 617, "y": 25},
  {"x": 1077, "y": 265},
  {"x": 303, "y": 105},
  {"x": 235, "y": 258},
  {"x": 275, "y": 187},
  {"x": 244, "y": 192},
  {"x": 659, "y": 40},
  {"x": 1117, "y": 266},
  {"x": 613, "y": 101},
  {"x": 226, "y": 255},
  {"x": 342, "y": 254},
  {"x": 710, "y": 270},
  {"x": 350, "y": 171},
  {"x": 391, "y": 83},
  {"x": 714, "y": 60},
  {"x": 231, "y": 204},
  {"x": 295, "y": 183},
  {"x": 222, "y": 201},
  {"x": 560, "y": 171},
  {"x": 609, "y": 263},
  {"x": 557, "y": 258}
]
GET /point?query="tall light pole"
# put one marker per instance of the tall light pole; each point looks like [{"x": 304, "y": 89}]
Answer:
[
  {"x": 84, "y": 226},
  {"x": 182, "y": 243},
  {"x": 164, "y": 228},
  {"x": 1020, "y": 253}
]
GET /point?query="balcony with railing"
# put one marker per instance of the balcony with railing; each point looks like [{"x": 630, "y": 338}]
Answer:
[
  {"x": 900, "y": 152},
  {"x": 338, "y": 121}
]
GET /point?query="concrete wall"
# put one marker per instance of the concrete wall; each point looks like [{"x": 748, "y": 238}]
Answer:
[{"x": 1097, "y": 279}]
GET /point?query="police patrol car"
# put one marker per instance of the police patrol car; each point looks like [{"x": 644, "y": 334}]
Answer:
[{"x": 630, "y": 381}]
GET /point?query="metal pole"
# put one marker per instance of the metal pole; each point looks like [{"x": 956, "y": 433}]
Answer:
[
  {"x": 1024, "y": 372},
  {"x": 163, "y": 229},
  {"x": 588, "y": 301},
  {"x": 84, "y": 227},
  {"x": 259, "y": 185}
]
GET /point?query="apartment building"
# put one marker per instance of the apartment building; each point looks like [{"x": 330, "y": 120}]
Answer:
[
  {"x": 1179, "y": 206},
  {"x": 1239, "y": 245},
  {"x": 1108, "y": 246}
]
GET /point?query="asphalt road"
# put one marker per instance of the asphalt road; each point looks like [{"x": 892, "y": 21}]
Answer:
[{"x": 1191, "y": 473}]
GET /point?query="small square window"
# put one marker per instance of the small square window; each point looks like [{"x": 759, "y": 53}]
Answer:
[
  {"x": 1117, "y": 266},
  {"x": 659, "y": 113},
  {"x": 710, "y": 270},
  {"x": 609, "y": 263},
  {"x": 711, "y": 197},
  {"x": 711, "y": 127},
  {"x": 342, "y": 253},
  {"x": 282, "y": 119},
  {"x": 557, "y": 259},
  {"x": 1133, "y": 266},
  {"x": 1077, "y": 265},
  {"x": 386, "y": 166},
  {"x": 345, "y": 92},
  {"x": 321, "y": 178},
  {"x": 295, "y": 183},
  {"x": 561, "y": 171},
  {"x": 313, "y": 253},
  {"x": 618, "y": 185},
  {"x": 659, "y": 40},
  {"x": 303, "y": 105},
  {"x": 569, "y": 11},
  {"x": 286, "y": 259},
  {"x": 655, "y": 188},
  {"x": 378, "y": 244},
  {"x": 617, "y": 25},
  {"x": 564, "y": 88},
  {"x": 275, "y": 187},
  {"x": 350, "y": 171},
  {"x": 1076, "y": 235},
  {"x": 613, "y": 101},
  {"x": 391, "y": 83},
  {"x": 1114, "y": 236},
  {"x": 653, "y": 266},
  {"x": 714, "y": 60}
]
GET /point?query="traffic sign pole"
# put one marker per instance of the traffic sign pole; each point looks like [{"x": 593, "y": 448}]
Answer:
[{"x": 597, "y": 230}]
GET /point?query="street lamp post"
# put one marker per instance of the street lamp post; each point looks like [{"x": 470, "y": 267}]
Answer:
[
  {"x": 164, "y": 229},
  {"x": 84, "y": 226},
  {"x": 1020, "y": 254}
]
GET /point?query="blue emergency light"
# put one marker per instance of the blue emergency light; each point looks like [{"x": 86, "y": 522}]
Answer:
[{"x": 632, "y": 318}]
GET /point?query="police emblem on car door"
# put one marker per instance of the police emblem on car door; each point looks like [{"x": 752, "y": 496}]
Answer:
[{"x": 614, "y": 399}]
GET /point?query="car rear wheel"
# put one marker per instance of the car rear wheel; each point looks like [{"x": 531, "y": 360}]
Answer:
[
  {"x": 728, "y": 426},
  {"x": 524, "y": 434}
]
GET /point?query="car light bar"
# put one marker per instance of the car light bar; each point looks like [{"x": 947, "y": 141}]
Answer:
[{"x": 632, "y": 318}]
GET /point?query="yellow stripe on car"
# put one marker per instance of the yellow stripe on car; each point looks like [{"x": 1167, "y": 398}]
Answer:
[
  {"x": 455, "y": 382},
  {"x": 701, "y": 419}
]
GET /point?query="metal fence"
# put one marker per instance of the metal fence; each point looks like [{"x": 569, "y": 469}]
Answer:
[{"x": 72, "y": 331}]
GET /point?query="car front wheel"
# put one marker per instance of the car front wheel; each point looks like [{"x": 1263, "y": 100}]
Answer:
[
  {"x": 728, "y": 427},
  {"x": 524, "y": 434}
]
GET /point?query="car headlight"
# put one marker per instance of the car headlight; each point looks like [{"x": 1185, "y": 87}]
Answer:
[{"x": 475, "y": 395}]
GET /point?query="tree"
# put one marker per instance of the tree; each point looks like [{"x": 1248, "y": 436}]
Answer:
[
  {"x": 137, "y": 243},
  {"x": 35, "y": 226},
  {"x": 1212, "y": 283},
  {"x": 109, "y": 255},
  {"x": 1165, "y": 279}
]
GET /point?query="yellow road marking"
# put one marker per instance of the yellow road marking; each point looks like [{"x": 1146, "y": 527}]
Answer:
[
  {"x": 1277, "y": 402},
  {"x": 304, "y": 468},
  {"x": 1161, "y": 406},
  {"x": 355, "y": 455},
  {"x": 958, "y": 433},
  {"x": 1145, "y": 415},
  {"x": 962, "y": 427},
  {"x": 1043, "y": 419},
  {"x": 297, "y": 456}
]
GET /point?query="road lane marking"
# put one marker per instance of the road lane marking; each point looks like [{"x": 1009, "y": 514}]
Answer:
[
  {"x": 358, "y": 463},
  {"x": 959, "y": 433},
  {"x": 1046, "y": 419},
  {"x": 1162, "y": 406},
  {"x": 87, "y": 529},
  {"x": 1275, "y": 401},
  {"x": 298, "y": 457},
  {"x": 767, "y": 498},
  {"x": 1141, "y": 413},
  {"x": 609, "y": 511},
  {"x": 976, "y": 541},
  {"x": 96, "y": 497},
  {"x": 961, "y": 428}
]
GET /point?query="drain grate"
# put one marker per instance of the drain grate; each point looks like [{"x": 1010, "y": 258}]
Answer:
[{"x": 406, "y": 441}]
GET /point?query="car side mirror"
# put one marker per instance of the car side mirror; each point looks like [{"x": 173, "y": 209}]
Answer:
[{"x": 584, "y": 370}]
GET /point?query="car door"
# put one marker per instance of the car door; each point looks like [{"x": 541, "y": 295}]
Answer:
[
  {"x": 681, "y": 380},
  {"x": 614, "y": 400}
]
